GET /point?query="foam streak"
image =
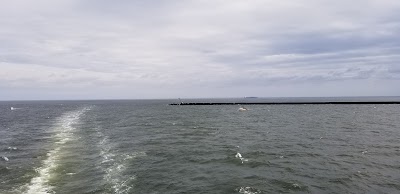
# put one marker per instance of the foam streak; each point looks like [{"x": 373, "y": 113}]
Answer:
[{"x": 63, "y": 134}]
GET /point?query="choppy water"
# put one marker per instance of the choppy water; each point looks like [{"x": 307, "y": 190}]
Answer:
[{"x": 149, "y": 147}]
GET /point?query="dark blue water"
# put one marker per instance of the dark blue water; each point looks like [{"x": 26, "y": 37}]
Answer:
[{"x": 146, "y": 146}]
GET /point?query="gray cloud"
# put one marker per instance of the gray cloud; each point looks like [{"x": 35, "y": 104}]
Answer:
[{"x": 158, "y": 49}]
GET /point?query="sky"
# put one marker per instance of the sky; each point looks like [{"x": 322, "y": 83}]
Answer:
[{"x": 127, "y": 49}]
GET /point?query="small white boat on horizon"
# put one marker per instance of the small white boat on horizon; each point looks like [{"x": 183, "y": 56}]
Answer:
[{"x": 13, "y": 108}]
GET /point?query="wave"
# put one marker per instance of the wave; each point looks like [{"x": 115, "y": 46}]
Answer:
[{"x": 64, "y": 132}]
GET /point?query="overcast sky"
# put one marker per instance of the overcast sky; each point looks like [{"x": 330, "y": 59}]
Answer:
[{"x": 102, "y": 49}]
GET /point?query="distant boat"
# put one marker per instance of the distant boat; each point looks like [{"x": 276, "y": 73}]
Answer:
[
  {"x": 13, "y": 108},
  {"x": 250, "y": 97}
]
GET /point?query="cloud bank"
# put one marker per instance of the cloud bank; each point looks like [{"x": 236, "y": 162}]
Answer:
[{"x": 70, "y": 49}]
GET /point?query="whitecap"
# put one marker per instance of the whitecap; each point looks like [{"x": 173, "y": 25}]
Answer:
[
  {"x": 295, "y": 185},
  {"x": 238, "y": 155},
  {"x": 248, "y": 190},
  {"x": 364, "y": 152},
  {"x": 5, "y": 158},
  {"x": 12, "y": 148}
]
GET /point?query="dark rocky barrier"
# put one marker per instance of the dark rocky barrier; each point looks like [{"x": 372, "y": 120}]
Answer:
[{"x": 282, "y": 103}]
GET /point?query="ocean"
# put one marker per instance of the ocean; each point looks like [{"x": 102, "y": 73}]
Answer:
[{"x": 147, "y": 146}]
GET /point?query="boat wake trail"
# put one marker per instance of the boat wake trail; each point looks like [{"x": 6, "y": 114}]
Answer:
[
  {"x": 114, "y": 165},
  {"x": 64, "y": 133}
]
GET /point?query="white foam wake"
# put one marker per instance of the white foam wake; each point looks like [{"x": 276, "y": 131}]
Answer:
[
  {"x": 114, "y": 165},
  {"x": 63, "y": 134}
]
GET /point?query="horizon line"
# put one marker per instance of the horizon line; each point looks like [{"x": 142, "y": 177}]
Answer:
[{"x": 242, "y": 97}]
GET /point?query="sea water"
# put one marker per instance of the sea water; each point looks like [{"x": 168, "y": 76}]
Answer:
[{"x": 146, "y": 146}]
